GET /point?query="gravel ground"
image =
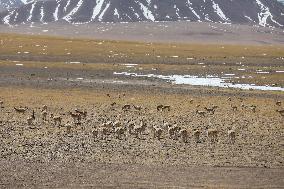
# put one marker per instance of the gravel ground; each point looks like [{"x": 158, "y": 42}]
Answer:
[{"x": 101, "y": 150}]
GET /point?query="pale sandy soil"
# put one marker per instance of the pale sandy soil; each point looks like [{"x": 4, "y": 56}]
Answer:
[
  {"x": 169, "y": 32},
  {"x": 96, "y": 175}
]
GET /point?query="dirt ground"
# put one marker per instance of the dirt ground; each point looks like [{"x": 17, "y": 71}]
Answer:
[
  {"x": 97, "y": 175},
  {"x": 124, "y": 137},
  {"x": 44, "y": 153}
]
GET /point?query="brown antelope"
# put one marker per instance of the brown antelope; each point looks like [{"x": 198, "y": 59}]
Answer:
[
  {"x": 30, "y": 120},
  {"x": 119, "y": 131},
  {"x": 57, "y": 120},
  {"x": 76, "y": 117},
  {"x": 116, "y": 124},
  {"x": 126, "y": 107},
  {"x": 131, "y": 127},
  {"x": 44, "y": 115},
  {"x": 68, "y": 129},
  {"x": 166, "y": 108},
  {"x": 139, "y": 108},
  {"x": 234, "y": 108},
  {"x": 139, "y": 129},
  {"x": 160, "y": 107},
  {"x": 95, "y": 133},
  {"x": 166, "y": 125},
  {"x": 20, "y": 109},
  {"x": 212, "y": 134},
  {"x": 82, "y": 113},
  {"x": 103, "y": 132},
  {"x": 196, "y": 135},
  {"x": 108, "y": 124},
  {"x": 211, "y": 110},
  {"x": 281, "y": 112},
  {"x": 184, "y": 135},
  {"x": 232, "y": 135},
  {"x": 173, "y": 132},
  {"x": 202, "y": 113},
  {"x": 157, "y": 132},
  {"x": 253, "y": 108},
  {"x": 278, "y": 103},
  {"x": 44, "y": 108},
  {"x": 33, "y": 115}
]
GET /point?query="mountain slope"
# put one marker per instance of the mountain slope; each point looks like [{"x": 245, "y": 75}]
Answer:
[
  {"x": 9, "y": 4},
  {"x": 12, "y": 4},
  {"x": 261, "y": 12}
]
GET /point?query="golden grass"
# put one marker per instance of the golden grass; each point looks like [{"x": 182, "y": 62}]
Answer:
[
  {"x": 86, "y": 50},
  {"x": 76, "y": 97},
  {"x": 54, "y": 52}
]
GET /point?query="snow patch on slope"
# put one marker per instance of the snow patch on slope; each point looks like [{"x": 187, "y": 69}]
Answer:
[
  {"x": 68, "y": 17},
  {"x": 67, "y": 5},
  {"x": 41, "y": 14},
  {"x": 7, "y": 18},
  {"x": 97, "y": 9},
  {"x": 265, "y": 14},
  {"x": 103, "y": 12},
  {"x": 146, "y": 12},
  {"x": 219, "y": 11},
  {"x": 25, "y": 1},
  {"x": 55, "y": 14},
  {"x": 31, "y": 11},
  {"x": 116, "y": 13},
  {"x": 189, "y": 5}
]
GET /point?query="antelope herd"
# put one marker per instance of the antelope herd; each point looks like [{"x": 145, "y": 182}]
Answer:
[{"x": 135, "y": 127}]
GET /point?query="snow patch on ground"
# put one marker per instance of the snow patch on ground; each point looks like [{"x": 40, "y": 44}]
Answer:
[{"x": 209, "y": 81}]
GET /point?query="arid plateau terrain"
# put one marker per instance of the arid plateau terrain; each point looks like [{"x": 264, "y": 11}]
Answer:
[{"x": 123, "y": 110}]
